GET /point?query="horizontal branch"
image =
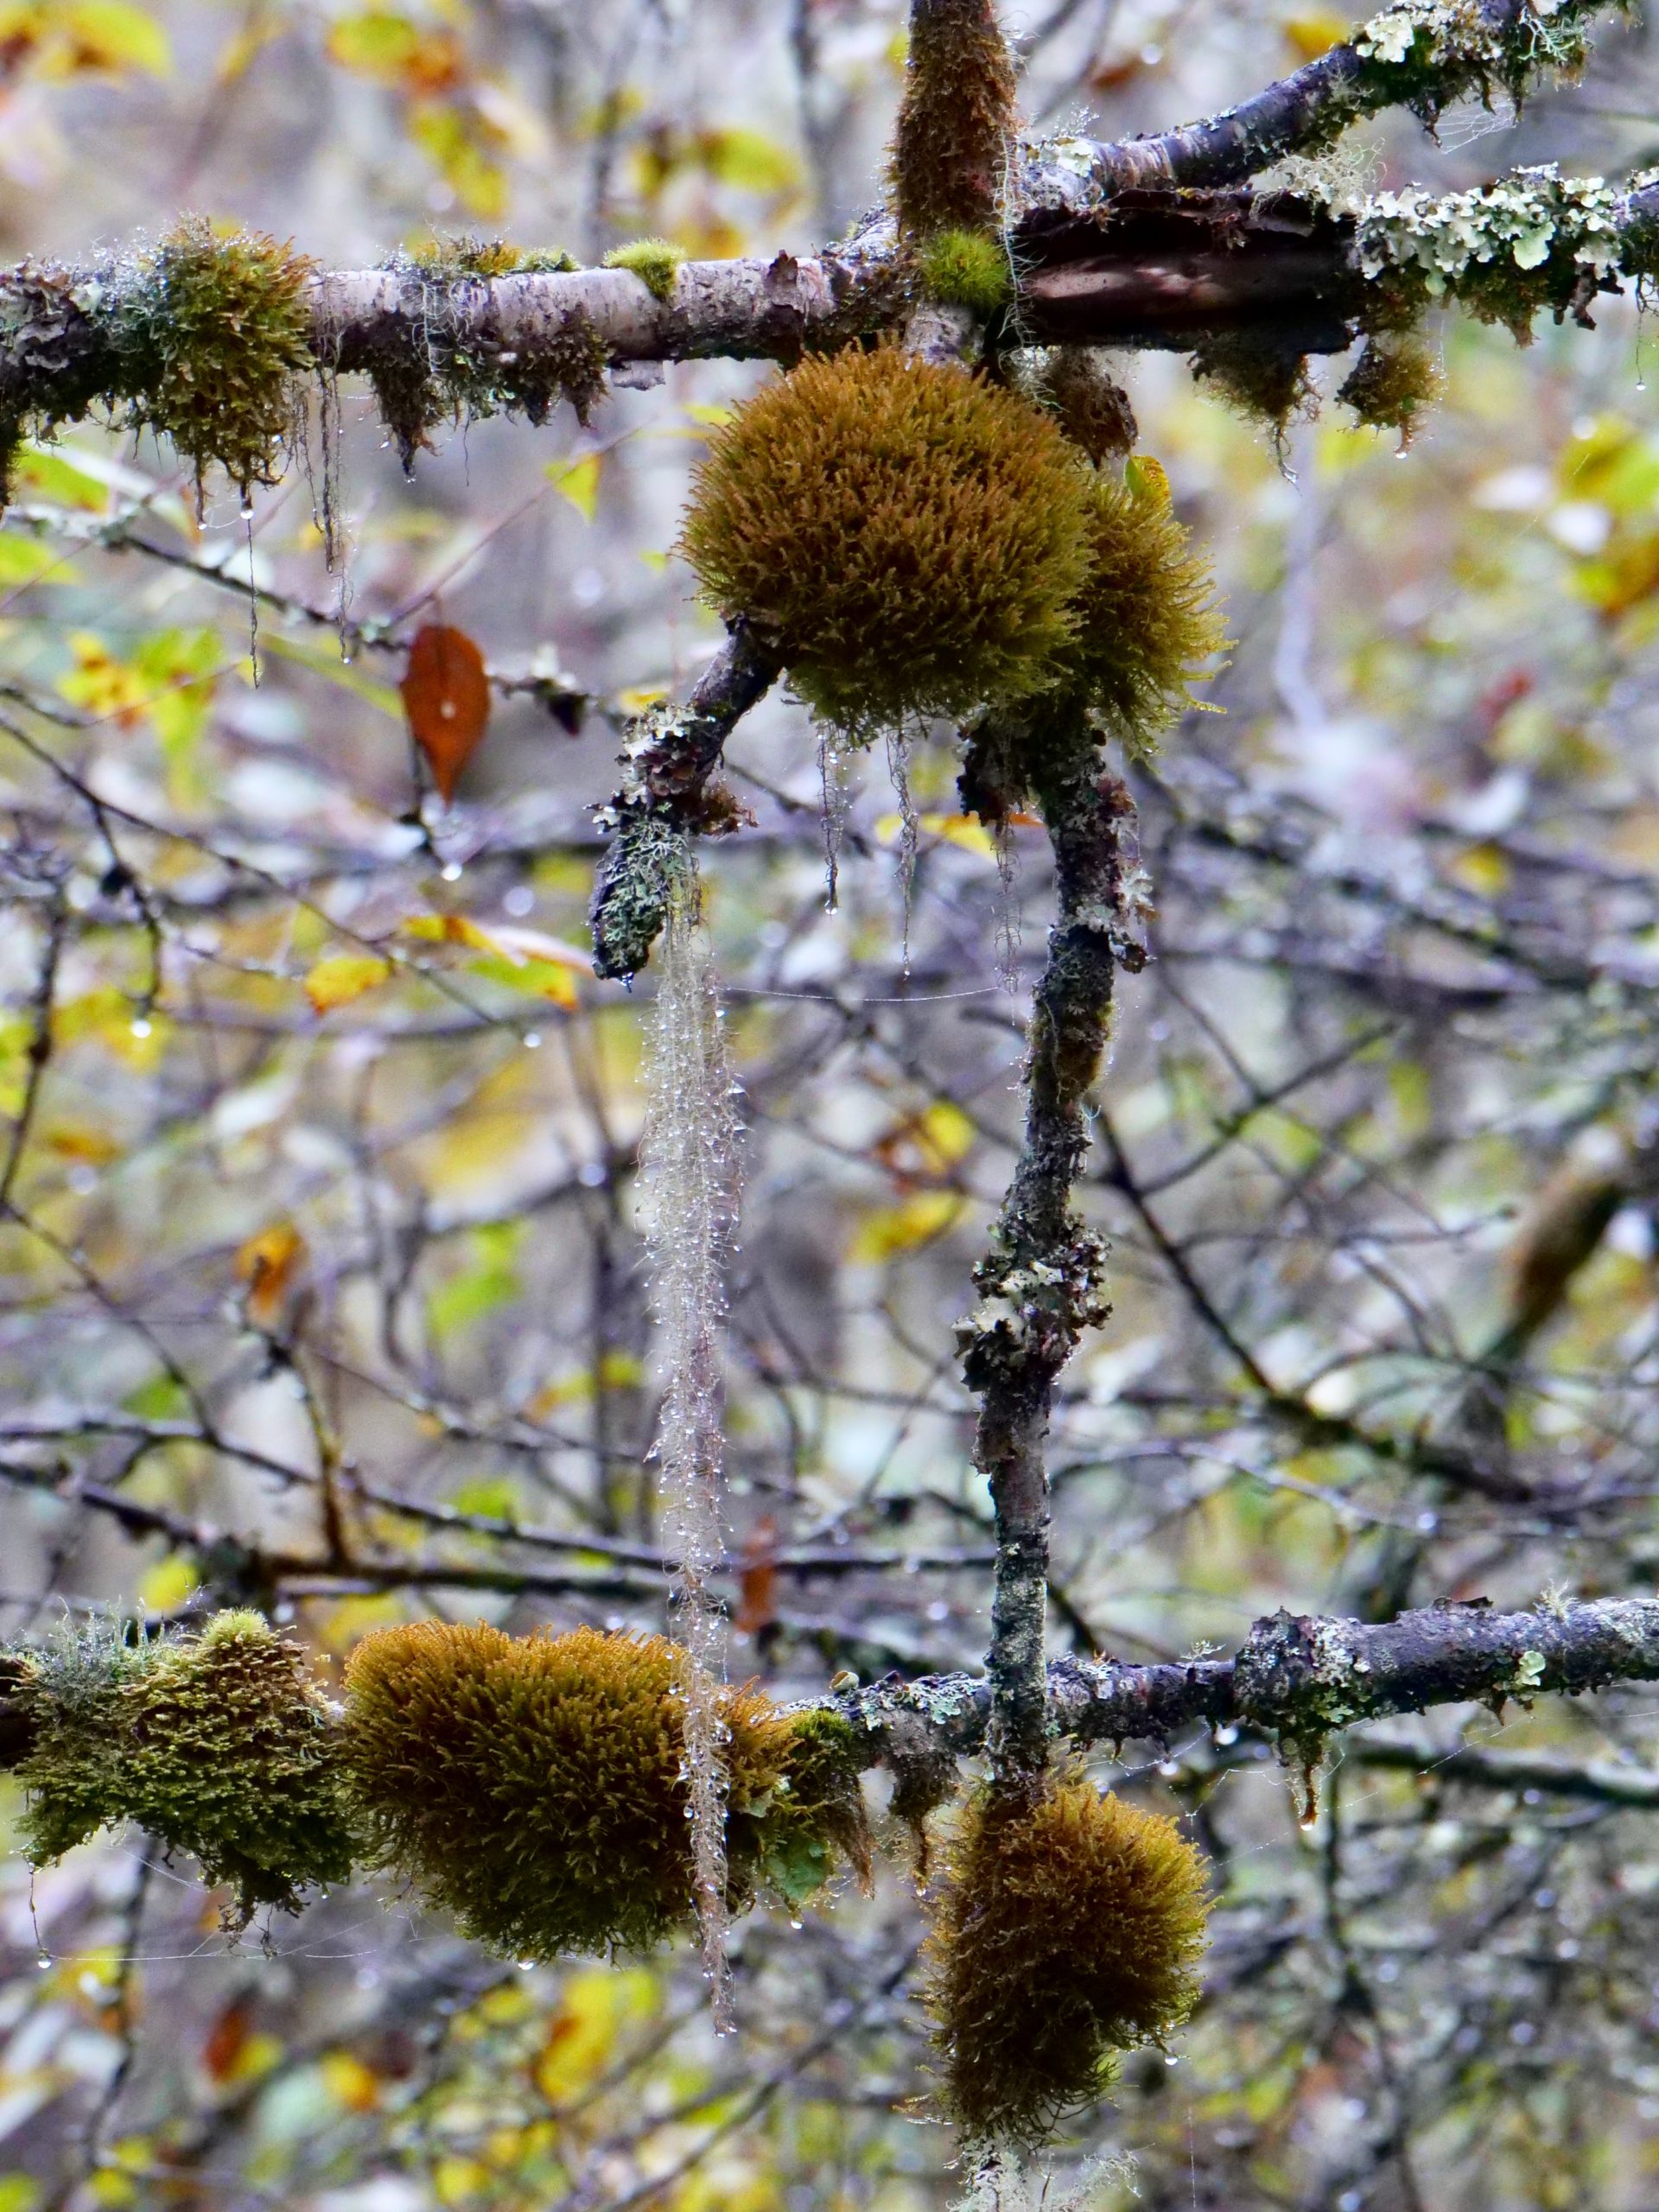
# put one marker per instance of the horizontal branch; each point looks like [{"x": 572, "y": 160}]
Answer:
[{"x": 1297, "y": 1680}]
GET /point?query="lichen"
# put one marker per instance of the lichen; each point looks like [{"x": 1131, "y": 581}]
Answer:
[
  {"x": 966, "y": 268},
  {"x": 912, "y": 537},
  {"x": 1504, "y": 251},
  {"x": 655, "y": 262},
  {"x": 1067, "y": 1929},
  {"x": 1423, "y": 54},
  {"x": 220, "y": 1744},
  {"x": 534, "y": 1788}
]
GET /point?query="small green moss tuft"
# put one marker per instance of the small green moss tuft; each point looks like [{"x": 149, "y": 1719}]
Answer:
[
  {"x": 219, "y": 1745},
  {"x": 1395, "y": 381},
  {"x": 1087, "y": 402},
  {"x": 1258, "y": 379},
  {"x": 966, "y": 268},
  {"x": 655, "y": 262},
  {"x": 211, "y": 337},
  {"x": 533, "y": 1787},
  {"x": 955, "y": 121},
  {"x": 909, "y": 537},
  {"x": 1067, "y": 1927},
  {"x": 1147, "y": 617}
]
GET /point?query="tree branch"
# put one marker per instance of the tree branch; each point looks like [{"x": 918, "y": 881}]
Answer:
[
  {"x": 1298, "y": 1679},
  {"x": 1448, "y": 55}
]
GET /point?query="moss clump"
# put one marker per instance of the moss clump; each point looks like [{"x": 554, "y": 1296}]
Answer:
[
  {"x": 1394, "y": 383},
  {"x": 1147, "y": 618},
  {"x": 955, "y": 121},
  {"x": 210, "y": 337},
  {"x": 532, "y": 1787},
  {"x": 1089, "y": 405},
  {"x": 655, "y": 262},
  {"x": 1067, "y": 1927},
  {"x": 446, "y": 258},
  {"x": 911, "y": 537},
  {"x": 219, "y": 1745},
  {"x": 438, "y": 360},
  {"x": 1257, "y": 377},
  {"x": 966, "y": 268}
]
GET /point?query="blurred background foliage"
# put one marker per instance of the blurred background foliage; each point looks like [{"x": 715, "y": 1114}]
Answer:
[{"x": 320, "y": 1273}]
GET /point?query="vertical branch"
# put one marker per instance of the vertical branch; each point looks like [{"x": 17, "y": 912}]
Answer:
[
  {"x": 690, "y": 1150},
  {"x": 1040, "y": 1282}
]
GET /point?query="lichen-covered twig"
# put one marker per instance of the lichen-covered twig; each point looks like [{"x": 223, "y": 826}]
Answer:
[
  {"x": 1298, "y": 1680},
  {"x": 1421, "y": 54},
  {"x": 670, "y": 755},
  {"x": 1040, "y": 1283}
]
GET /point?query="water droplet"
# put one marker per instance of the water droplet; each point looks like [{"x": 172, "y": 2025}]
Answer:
[
  {"x": 42, "y": 1962},
  {"x": 526, "y": 1966},
  {"x": 450, "y": 871},
  {"x": 1170, "y": 2059},
  {"x": 141, "y": 1026},
  {"x": 797, "y": 1924},
  {"x": 532, "y": 1040}
]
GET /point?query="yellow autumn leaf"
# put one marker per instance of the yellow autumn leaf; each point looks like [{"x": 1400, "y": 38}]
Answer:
[
  {"x": 111, "y": 34},
  {"x": 165, "y": 1588},
  {"x": 343, "y": 977},
  {"x": 914, "y": 1221},
  {"x": 350, "y": 2083},
  {"x": 447, "y": 929},
  {"x": 267, "y": 1264},
  {"x": 577, "y": 480},
  {"x": 964, "y": 829},
  {"x": 1315, "y": 33}
]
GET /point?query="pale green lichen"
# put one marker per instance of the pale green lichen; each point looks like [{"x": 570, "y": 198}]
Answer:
[{"x": 1503, "y": 251}]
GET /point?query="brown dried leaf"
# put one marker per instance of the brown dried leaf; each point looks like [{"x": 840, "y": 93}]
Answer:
[{"x": 446, "y": 698}]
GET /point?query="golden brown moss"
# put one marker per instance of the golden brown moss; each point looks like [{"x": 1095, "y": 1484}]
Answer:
[
  {"x": 1394, "y": 383},
  {"x": 219, "y": 1745},
  {"x": 1257, "y": 379},
  {"x": 1092, "y": 408},
  {"x": 1068, "y": 1926},
  {"x": 532, "y": 1786},
  {"x": 912, "y": 536},
  {"x": 1147, "y": 618},
  {"x": 955, "y": 121}
]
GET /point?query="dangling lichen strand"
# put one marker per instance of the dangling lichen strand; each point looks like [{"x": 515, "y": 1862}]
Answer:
[{"x": 689, "y": 1155}]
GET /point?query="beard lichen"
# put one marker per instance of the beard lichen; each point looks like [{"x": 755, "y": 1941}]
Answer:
[
  {"x": 1067, "y": 1927},
  {"x": 535, "y": 1787},
  {"x": 219, "y": 1745},
  {"x": 912, "y": 537}
]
